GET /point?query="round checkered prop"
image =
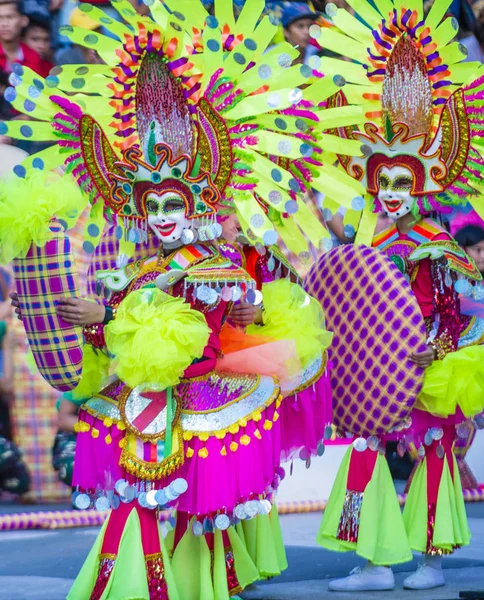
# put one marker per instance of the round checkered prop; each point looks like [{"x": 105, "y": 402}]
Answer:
[{"x": 376, "y": 321}]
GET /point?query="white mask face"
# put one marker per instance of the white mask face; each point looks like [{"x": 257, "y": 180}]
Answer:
[
  {"x": 394, "y": 191},
  {"x": 166, "y": 216}
]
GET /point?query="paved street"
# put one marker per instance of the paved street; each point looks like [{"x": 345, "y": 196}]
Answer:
[{"x": 40, "y": 565}]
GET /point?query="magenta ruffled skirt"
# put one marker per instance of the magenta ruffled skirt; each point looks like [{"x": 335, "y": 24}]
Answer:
[{"x": 304, "y": 418}]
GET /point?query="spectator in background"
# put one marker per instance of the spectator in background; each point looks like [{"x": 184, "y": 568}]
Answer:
[
  {"x": 37, "y": 35},
  {"x": 14, "y": 477},
  {"x": 75, "y": 54},
  {"x": 471, "y": 238},
  {"x": 297, "y": 18},
  {"x": 12, "y": 50},
  {"x": 64, "y": 448}
]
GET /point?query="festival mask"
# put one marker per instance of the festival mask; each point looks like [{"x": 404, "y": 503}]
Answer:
[
  {"x": 394, "y": 191},
  {"x": 167, "y": 216}
]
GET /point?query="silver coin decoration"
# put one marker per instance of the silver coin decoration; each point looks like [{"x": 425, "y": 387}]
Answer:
[
  {"x": 239, "y": 512},
  {"x": 151, "y": 498},
  {"x": 275, "y": 197},
  {"x": 401, "y": 449},
  {"x": 421, "y": 451},
  {"x": 284, "y": 147},
  {"x": 373, "y": 442},
  {"x": 160, "y": 497},
  {"x": 264, "y": 71},
  {"x": 273, "y": 101},
  {"x": 236, "y": 293},
  {"x": 360, "y": 444},
  {"x": 212, "y": 297},
  {"x": 321, "y": 449},
  {"x": 251, "y": 508},
  {"x": 437, "y": 433},
  {"x": 142, "y": 500},
  {"x": 170, "y": 494},
  {"x": 284, "y": 60},
  {"x": 479, "y": 421},
  {"x": 227, "y": 293},
  {"x": 428, "y": 439},
  {"x": 129, "y": 493},
  {"x": 265, "y": 507},
  {"x": 82, "y": 501},
  {"x": 308, "y": 462},
  {"x": 115, "y": 502},
  {"x": 271, "y": 264},
  {"x": 180, "y": 486},
  {"x": 440, "y": 451},
  {"x": 222, "y": 522},
  {"x": 197, "y": 528},
  {"x": 295, "y": 96},
  {"x": 257, "y": 221},
  {"x": 315, "y": 33},
  {"x": 203, "y": 292},
  {"x": 463, "y": 429}
]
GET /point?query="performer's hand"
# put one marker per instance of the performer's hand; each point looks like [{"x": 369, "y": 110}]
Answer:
[
  {"x": 245, "y": 314},
  {"x": 16, "y": 304},
  {"x": 80, "y": 312},
  {"x": 423, "y": 359}
]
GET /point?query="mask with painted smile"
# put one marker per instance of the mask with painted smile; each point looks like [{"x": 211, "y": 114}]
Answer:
[
  {"x": 394, "y": 191},
  {"x": 166, "y": 217}
]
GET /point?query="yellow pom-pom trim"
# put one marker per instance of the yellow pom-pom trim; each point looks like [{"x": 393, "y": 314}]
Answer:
[
  {"x": 223, "y": 452},
  {"x": 95, "y": 432},
  {"x": 243, "y": 422},
  {"x": 233, "y": 446},
  {"x": 122, "y": 443},
  {"x": 121, "y": 426},
  {"x": 267, "y": 425},
  {"x": 257, "y": 416},
  {"x": 187, "y": 435},
  {"x": 258, "y": 434},
  {"x": 108, "y": 439},
  {"x": 78, "y": 427},
  {"x": 245, "y": 440},
  {"x": 234, "y": 428},
  {"x": 220, "y": 435},
  {"x": 279, "y": 401},
  {"x": 276, "y": 416},
  {"x": 203, "y": 453},
  {"x": 190, "y": 452},
  {"x": 108, "y": 422},
  {"x": 203, "y": 437}
]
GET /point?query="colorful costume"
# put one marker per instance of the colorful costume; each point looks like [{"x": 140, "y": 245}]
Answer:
[
  {"x": 421, "y": 133},
  {"x": 188, "y": 114}
]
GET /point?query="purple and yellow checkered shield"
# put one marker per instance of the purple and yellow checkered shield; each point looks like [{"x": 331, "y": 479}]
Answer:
[
  {"x": 41, "y": 278},
  {"x": 376, "y": 322}
]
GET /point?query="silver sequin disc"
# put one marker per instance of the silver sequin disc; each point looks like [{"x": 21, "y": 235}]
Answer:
[
  {"x": 437, "y": 433},
  {"x": 161, "y": 498},
  {"x": 222, "y": 522},
  {"x": 428, "y": 439},
  {"x": 129, "y": 493},
  {"x": 82, "y": 501},
  {"x": 440, "y": 451},
  {"x": 251, "y": 508},
  {"x": 421, "y": 451},
  {"x": 180, "y": 486},
  {"x": 101, "y": 504},
  {"x": 236, "y": 293},
  {"x": 321, "y": 449},
  {"x": 197, "y": 528},
  {"x": 373, "y": 443},
  {"x": 265, "y": 507},
  {"x": 151, "y": 498},
  {"x": 360, "y": 444},
  {"x": 328, "y": 432},
  {"x": 239, "y": 512},
  {"x": 226, "y": 293}
]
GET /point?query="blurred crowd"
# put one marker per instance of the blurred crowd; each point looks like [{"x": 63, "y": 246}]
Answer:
[{"x": 31, "y": 35}]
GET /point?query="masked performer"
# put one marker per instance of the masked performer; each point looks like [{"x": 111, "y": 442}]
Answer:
[
  {"x": 422, "y": 135},
  {"x": 179, "y": 119}
]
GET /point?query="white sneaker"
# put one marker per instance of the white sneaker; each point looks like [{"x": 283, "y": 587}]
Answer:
[
  {"x": 424, "y": 578},
  {"x": 370, "y": 578}
]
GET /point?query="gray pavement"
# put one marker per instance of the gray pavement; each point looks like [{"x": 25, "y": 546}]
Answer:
[{"x": 41, "y": 565}]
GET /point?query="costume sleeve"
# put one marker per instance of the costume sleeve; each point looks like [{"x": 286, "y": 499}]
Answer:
[{"x": 447, "y": 324}]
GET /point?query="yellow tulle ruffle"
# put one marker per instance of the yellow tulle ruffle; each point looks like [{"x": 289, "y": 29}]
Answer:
[
  {"x": 27, "y": 206},
  {"x": 154, "y": 338},
  {"x": 291, "y": 314},
  {"x": 95, "y": 374},
  {"x": 457, "y": 380}
]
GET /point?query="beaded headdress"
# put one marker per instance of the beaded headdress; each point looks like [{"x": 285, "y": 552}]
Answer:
[
  {"x": 191, "y": 101},
  {"x": 420, "y": 111}
]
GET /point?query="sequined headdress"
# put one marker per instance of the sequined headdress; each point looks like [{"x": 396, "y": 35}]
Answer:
[
  {"x": 190, "y": 101},
  {"x": 422, "y": 104}
]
